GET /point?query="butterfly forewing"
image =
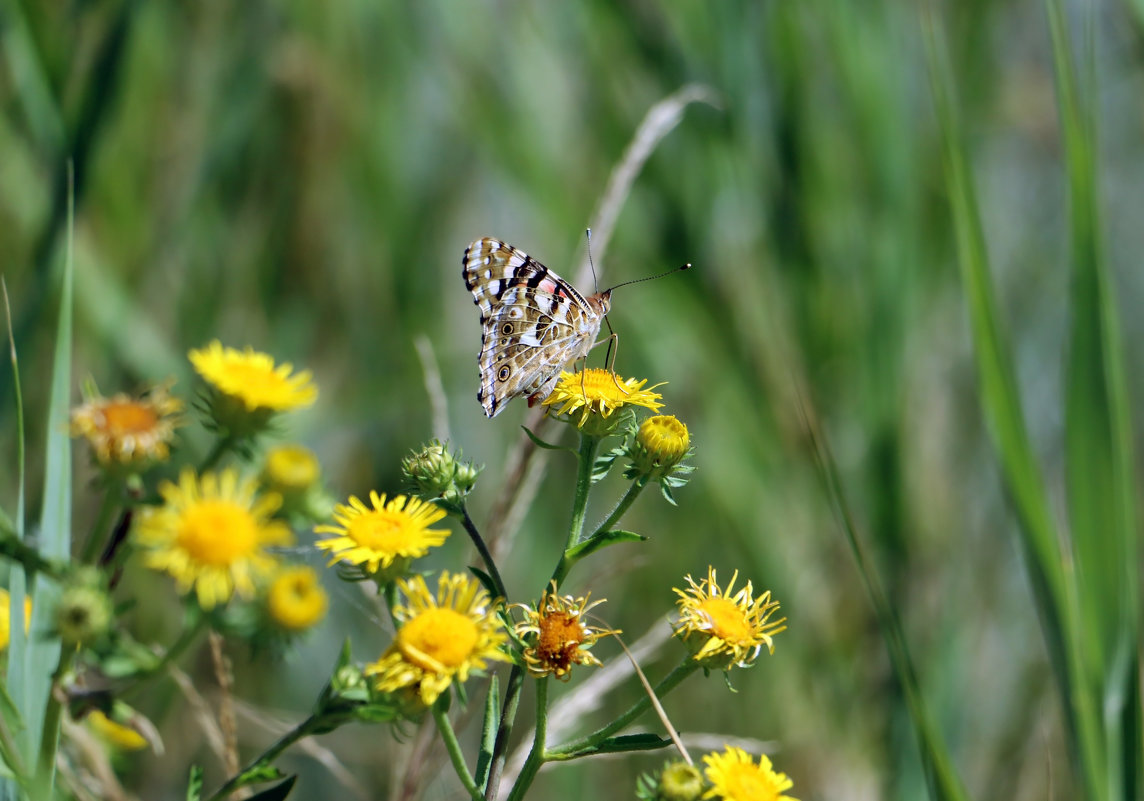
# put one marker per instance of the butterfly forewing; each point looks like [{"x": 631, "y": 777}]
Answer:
[{"x": 533, "y": 322}]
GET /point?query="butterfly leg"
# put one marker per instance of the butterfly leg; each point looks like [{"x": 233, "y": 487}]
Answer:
[{"x": 610, "y": 356}]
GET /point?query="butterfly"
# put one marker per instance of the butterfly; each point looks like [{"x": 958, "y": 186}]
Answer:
[{"x": 533, "y": 322}]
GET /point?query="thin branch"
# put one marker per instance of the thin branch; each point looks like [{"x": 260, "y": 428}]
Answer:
[{"x": 434, "y": 388}]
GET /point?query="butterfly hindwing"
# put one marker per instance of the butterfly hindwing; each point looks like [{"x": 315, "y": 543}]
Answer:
[{"x": 533, "y": 322}]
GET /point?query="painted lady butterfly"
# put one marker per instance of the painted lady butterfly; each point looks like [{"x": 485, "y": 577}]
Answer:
[{"x": 533, "y": 322}]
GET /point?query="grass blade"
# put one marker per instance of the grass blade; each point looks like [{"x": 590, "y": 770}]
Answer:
[
  {"x": 1102, "y": 507},
  {"x": 43, "y": 650},
  {"x": 944, "y": 784},
  {"x": 1054, "y": 587}
]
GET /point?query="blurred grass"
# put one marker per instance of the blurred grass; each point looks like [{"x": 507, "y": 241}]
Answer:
[{"x": 303, "y": 178}]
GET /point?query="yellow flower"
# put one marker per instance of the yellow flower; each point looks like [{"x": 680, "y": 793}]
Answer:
[
  {"x": 291, "y": 469},
  {"x": 557, "y": 635},
  {"x": 252, "y": 378},
  {"x": 5, "y": 620},
  {"x": 377, "y": 537},
  {"x": 441, "y": 639},
  {"x": 664, "y": 439},
  {"x": 122, "y": 737},
  {"x": 735, "y": 777},
  {"x": 126, "y": 430},
  {"x": 296, "y": 600},
  {"x": 726, "y": 628},
  {"x": 599, "y": 393},
  {"x": 211, "y": 534}
]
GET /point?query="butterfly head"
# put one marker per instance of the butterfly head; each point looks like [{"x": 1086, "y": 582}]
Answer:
[{"x": 602, "y": 301}]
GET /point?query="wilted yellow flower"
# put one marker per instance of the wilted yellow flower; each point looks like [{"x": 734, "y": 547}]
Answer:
[
  {"x": 726, "y": 628},
  {"x": 127, "y": 430},
  {"x": 442, "y": 638},
  {"x": 211, "y": 534},
  {"x": 558, "y": 635}
]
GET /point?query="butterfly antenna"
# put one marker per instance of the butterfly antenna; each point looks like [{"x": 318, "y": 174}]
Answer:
[
  {"x": 679, "y": 269},
  {"x": 595, "y": 284}
]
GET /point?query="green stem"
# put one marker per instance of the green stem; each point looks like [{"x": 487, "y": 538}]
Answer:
[
  {"x": 482, "y": 549},
  {"x": 622, "y": 507},
  {"x": 269, "y": 755},
  {"x": 221, "y": 446},
  {"x": 50, "y": 736},
  {"x": 538, "y": 755},
  {"x": 389, "y": 591},
  {"x": 174, "y": 652},
  {"x": 504, "y": 729},
  {"x": 589, "y": 445},
  {"x": 577, "y": 748},
  {"x": 102, "y": 520},
  {"x": 454, "y": 749}
]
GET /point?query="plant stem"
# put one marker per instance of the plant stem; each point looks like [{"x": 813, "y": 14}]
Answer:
[
  {"x": 482, "y": 549},
  {"x": 577, "y": 748},
  {"x": 622, "y": 507},
  {"x": 589, "y": 445},
  {"x": 174, "y": 652},
  {"x": 454, "y": 749},
  {"x": 538, "y": 754},
  {"x": 267, "y": 756},
  {"x": 504, "y": 729},
  {"x": 50, "y": 736},
  {"x": 102, "y": 518},
  {"x": 221, "y": 446}
]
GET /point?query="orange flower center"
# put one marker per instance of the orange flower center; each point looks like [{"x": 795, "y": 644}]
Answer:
[
  {"x": 560, "y": 635},
  {"x": 438, "y": 638},
  {"x": 728, "y": 622},
  {"x": 215, "y": 532},
  {"x": 128, "y": 417}
]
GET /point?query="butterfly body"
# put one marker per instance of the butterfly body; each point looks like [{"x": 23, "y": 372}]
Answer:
[{"x": 533, "y": 322}]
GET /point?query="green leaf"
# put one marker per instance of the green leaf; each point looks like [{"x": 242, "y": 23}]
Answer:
[
  {"x": 548, "y": 446},
  {"x": 604, "y": 463},
  {"x": 1101, "y": 478},
  {"x": 602, "y": 540},
  {"x": 644, "y": 741},
  {"x": 489, "y": 727},
  {"x": 195, "y": 784},
  {"x": 486, "y": 581},
  {"x": 259, "y": 773},
  {"x": 277, "y": 792}
]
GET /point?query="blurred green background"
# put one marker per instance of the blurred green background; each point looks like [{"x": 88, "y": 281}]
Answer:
[{"x": 304, "y": 177}]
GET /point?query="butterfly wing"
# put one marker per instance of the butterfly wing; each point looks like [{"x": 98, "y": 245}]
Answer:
[{"x": 533, "y": 322}]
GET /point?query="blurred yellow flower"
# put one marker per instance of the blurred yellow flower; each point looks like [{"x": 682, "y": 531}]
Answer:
[
  {"x": 122, "y": 737},
  {"x": 127, "y": 430},
  {"x": 296, "y": 600},
  {"x": 290, "y": 468},
  {"x": 557, "y": 634},
  {"x": 734, "y": 776},
  {"x": 5, "y": 621},
  {"x": 252, "y": 378},
  {"x": 376, "y": 537},
  {"x": 600, "y": 393},
  {"x": 442, "y": 638},
  {"x": 211, "y": 534},
  {"x": 726, "y": 628}
]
